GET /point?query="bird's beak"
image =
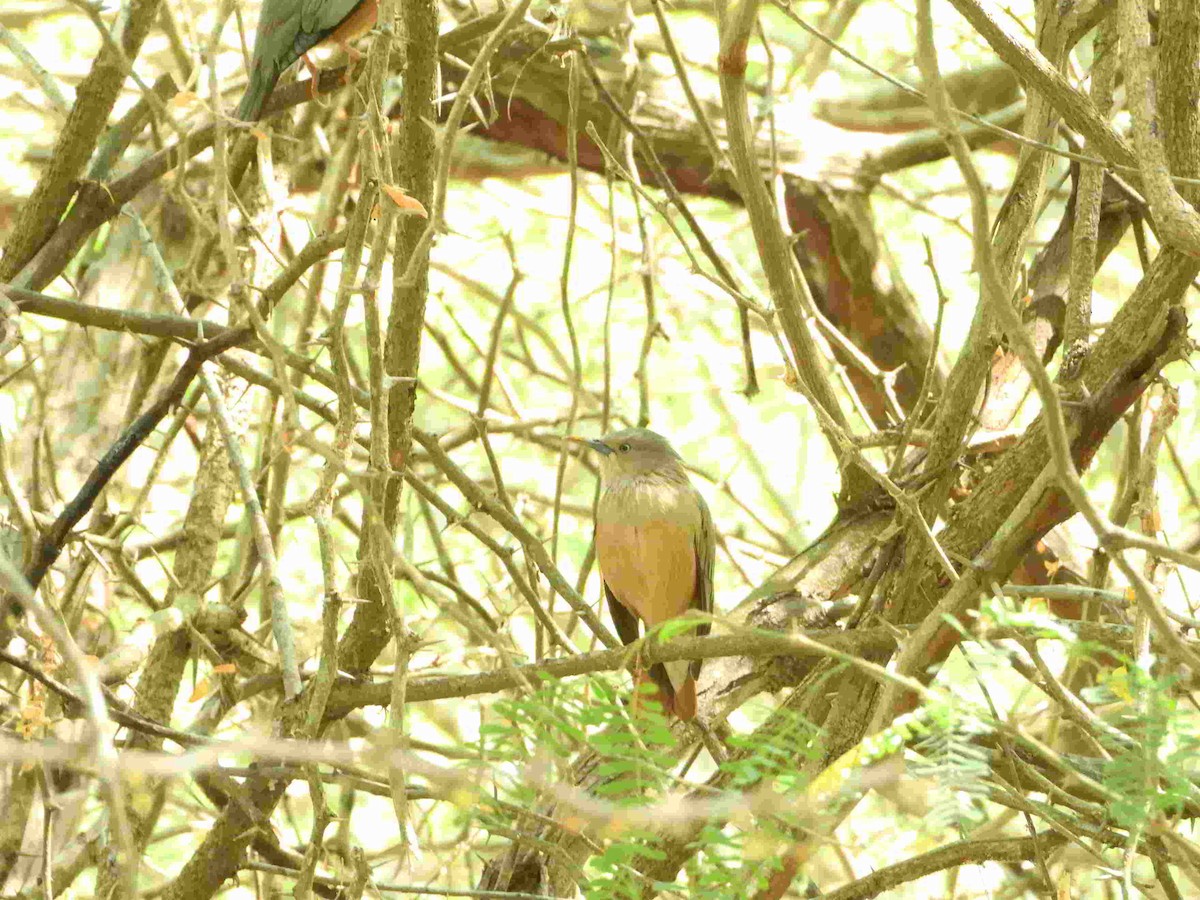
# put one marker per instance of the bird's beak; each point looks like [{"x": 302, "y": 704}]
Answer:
[{"x": 597, "y": 445}]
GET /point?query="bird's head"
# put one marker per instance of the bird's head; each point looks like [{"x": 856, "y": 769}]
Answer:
[{"x": 634, "y": 452}]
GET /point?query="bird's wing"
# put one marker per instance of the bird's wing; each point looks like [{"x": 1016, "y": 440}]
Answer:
[
  {"x": 318, "y": 19},
  {"x": 287, "y": 29},
  {"x": 622, "y": 616},
  {"x": 706, "y": 554},
  {"x": 278, "y": 23}
]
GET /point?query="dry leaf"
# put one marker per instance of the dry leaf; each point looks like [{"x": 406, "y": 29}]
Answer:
[
  {"x": 573, "y": 824},
  {"x": 405, "y": 203},
  {"x": 33, "y": 721},
  {"x": 203, "y": 689}
]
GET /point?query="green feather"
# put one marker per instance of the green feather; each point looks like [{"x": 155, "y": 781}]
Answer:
[{"x": 287, "y": 29}]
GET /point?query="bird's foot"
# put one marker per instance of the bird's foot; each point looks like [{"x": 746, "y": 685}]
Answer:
[
  {"x": 314, "y": 78},
  {"x": 645, "y": 690},
  {"x": 354, "y": 56}
]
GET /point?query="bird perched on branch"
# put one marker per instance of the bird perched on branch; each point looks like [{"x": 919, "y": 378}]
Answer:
[
  {"x": 655, "y": 544},
  {"x": 288, "y": 29}
]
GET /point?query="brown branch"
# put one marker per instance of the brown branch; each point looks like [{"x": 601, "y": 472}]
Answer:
[
  {"x": 143, "y": 426},
  {"x": 54, "y": 538},
  {"x": 982, "y": 89},
  {"x": 97, "y": 203},
  {"x": 751, "y": 645},
  {"x": 117, "y": 710},
  {"x": 964, "y": 853},
  {"x": 1177, "y": 221},
  {"x": 532, "y": 545},
  {"x": 161, "y": 325},
  {"x": 1039, "y": 74},
  {"x": 789, "y": 293},
  {"x": 95, "y": 98}
]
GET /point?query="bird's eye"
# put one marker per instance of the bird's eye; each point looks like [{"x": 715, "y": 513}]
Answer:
[{"x": 624, "y": 448}]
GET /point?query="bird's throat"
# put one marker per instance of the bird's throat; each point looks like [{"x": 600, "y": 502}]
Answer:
[{"x": 635, "y": 500}]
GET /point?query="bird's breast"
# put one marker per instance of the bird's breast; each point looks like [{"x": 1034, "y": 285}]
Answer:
[
  {"x": 637, "y": 501},
  {"x": 646, "y": 548}
]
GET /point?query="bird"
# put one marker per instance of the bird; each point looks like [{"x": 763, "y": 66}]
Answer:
[
  {"x": 592, "y": 17},
  {"x": 288, "y": 29},
  {"x": 655, "y": 545}
]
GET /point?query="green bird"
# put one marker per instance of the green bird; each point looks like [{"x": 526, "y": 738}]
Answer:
[{"x": 288, "y": 29}]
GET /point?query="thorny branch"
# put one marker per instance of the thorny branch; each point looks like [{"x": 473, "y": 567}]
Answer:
[{"x": 429, "y": 602}]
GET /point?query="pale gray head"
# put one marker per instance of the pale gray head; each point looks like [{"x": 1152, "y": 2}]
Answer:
[{"x": 634, "y": 452}]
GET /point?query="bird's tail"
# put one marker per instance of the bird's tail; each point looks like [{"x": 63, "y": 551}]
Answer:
[
  {"x": 255, "y": 98},
  {"x": 684, "y": 704},
  {"x": 676, "y": 690}
]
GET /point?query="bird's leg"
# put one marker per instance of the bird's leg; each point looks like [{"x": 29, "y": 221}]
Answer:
[
  {"x": 314, "y": 71},
  {"x": 314, "y": 74},
  {"x": 640, "y": 675},
  {"x": 354, "y": 56},
  {"x": 641, "y": 678}
]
